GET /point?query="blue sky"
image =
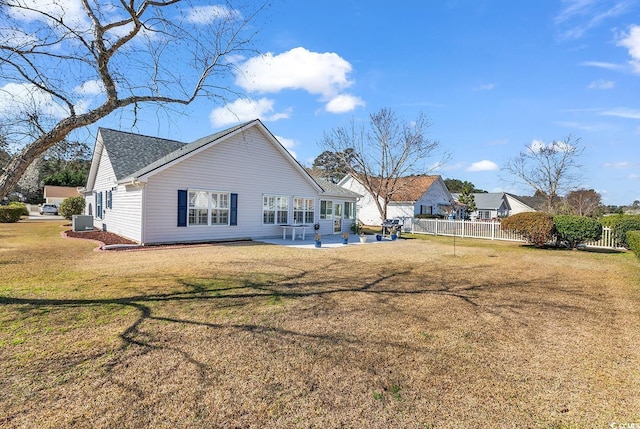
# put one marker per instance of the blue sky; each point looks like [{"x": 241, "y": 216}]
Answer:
[{"x": 492, "y": 76}]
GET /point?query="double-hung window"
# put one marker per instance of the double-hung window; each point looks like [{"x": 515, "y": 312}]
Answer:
[
  {"x": 303, "y": 210},
  {"x": 349, "y": 210},
  {"x": 275, "y": 209},
  {"x": 326, "y": 209},
  {"x": 208, "y": 208}
]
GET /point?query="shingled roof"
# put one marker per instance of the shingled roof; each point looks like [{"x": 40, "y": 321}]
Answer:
[
  {"x": 334, "y": 189},
  {"x": 130, "y": 152},
  {"x": 411, "y": 188}
]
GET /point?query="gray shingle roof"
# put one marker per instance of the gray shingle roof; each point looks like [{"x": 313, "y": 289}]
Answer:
[
  {"x": 130, "y": 152},
  {"x": 486, "y": 201},
  {"x": 183, "y": 150},
  {"x": 489, "y": 201},
  {"x": 331, "y": 188}
]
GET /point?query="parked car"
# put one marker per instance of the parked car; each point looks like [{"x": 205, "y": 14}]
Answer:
[{"x": 49, "y": 209}]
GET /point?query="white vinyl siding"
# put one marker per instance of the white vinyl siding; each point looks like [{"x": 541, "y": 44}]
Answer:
[
  {"x": 123, "y": 215},
  {"x": 242, "y": 164}
]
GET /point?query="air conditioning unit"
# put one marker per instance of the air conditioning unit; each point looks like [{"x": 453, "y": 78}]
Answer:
[{"x": 82, "y": 223}]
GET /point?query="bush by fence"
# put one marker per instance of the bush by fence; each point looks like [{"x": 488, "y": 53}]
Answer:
[
  {"x": 10, "y": 213},
  {"x": 535, "y": 227},
  {"x": 488, "y": 230},
  {"x": 620, "y": 225},
  {"x": 633, "y": 239},
  {"x": 576, "y": 230}
]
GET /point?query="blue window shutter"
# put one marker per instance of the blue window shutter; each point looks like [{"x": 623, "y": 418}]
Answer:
[
  {"x": 233, "y": 214},
  {"x": 182, "y": 207},
  {"x": 99, "y": 205}
]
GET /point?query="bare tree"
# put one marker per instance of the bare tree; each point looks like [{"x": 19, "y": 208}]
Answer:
[
  {"x": 384, "y": 156},
  {"x": 65, "y": 64},
  {"x": 584, "y": 202},
  {"x": 548, "y": 169}
]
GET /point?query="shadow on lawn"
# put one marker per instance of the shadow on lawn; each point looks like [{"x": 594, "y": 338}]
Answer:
[{"x": 387, "y": 284}]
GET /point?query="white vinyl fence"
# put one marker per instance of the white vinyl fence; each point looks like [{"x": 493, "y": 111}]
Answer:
[{"x": 485, "y": 230}]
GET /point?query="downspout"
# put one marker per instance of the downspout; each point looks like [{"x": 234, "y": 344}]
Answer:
[{"x": 143, "y": 212}]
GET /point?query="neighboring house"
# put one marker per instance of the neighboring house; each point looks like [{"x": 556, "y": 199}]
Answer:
[
  {"x": 518, "y": 204},
  {"x": 235, "y": 184},
  {"x": 495, "y": 205},
  {"x": 416, "y": 195},
  {"x": 57, "y": 194}
]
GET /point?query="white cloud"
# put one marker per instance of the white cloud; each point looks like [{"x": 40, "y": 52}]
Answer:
[
  {"x": 37, "y": 10},
  {"x": 447, "y": 167},
  {"x": 344, "y": 103},
  {"x": 623, "y": 112},
  {"x": 209, "y": 14},
  {"x": 244, "y": 109},
  {"x": 631, "y": 41},
  {"x": 633, "y": 176},
  {"x": 288, "y": 144},
  {"x": 316, "y": 73},
  {"x": 484, "y": 165},
  {"x": 618, "y": 165},
  {"x": 484, "y": 87},
  {"x": 324, "y": 74},
  {"x": 90, "y": 87},
  {"x": 602, "y": 65},
  {"x": 602, "y": 84},
  {"x": 560, "y": 146},
  {"x": 28, "y": 98},
  {"x": 16, "y": 37},
  {"x": 579, "y": 16}
]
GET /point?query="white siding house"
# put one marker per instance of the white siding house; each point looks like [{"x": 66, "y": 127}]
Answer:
[
  {"x": 496, "y": 205},
  {"x": 236, "y": 184},
  {"x": 414, "y": 195},
  {"x": 57, "y": 194}
]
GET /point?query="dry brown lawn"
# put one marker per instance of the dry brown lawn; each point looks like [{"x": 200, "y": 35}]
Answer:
[{"x": 402, "y": 334}]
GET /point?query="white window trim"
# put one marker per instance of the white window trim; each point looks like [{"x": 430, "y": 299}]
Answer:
[
  {"x": 304, "y": 209},
  {"x": 209, "y": 208},
  {"x": 275, "y": 211},
  {"x": 330, "y": 217}
]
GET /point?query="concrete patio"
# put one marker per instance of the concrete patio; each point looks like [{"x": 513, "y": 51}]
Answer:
[{"x": 328, "y": 241}]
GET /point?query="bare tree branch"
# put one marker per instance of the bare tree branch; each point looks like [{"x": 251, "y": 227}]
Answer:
[
  {"x": 548, "y": 169},
  {"x": 383, "y": 157},
  {"x": 129, "y": 50}
]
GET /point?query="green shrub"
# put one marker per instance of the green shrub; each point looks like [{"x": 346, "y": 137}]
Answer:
[
  {"x": 633, "y": 239},
  {"x": 577, "y": 229},
  {"x": 71, "y": 206},
  {"x": 10, "y": 214},
  {"x": 619, "y": 225},
  {"x": 23, "y": 207},
  {"x": 535, "y": 227}
]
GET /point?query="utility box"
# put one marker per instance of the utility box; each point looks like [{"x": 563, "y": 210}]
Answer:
[{"x": 82, "y": 223}]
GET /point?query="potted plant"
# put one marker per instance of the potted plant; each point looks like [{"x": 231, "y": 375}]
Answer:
[
  {"x": 317, "y": 240},
  {"x": 345, "y": 238},
  {"x": 394, "y": 232},
  {"x": 356, "y": 228}
]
